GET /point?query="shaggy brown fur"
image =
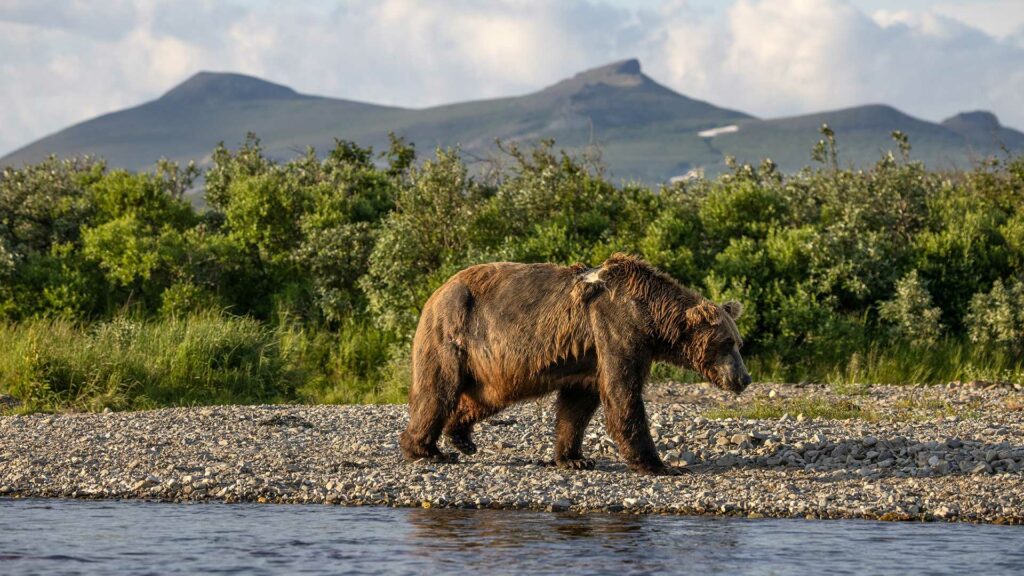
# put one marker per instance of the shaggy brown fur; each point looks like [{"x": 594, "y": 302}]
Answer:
[{"x": 497, "y": 334}]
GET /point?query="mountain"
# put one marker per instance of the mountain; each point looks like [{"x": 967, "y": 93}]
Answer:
[
  {"x": 646, "y": 131},
  {"x": 982, "y": 130},
  {"x": 187, "y": 122},
  {"x": 863, "y": 134}
]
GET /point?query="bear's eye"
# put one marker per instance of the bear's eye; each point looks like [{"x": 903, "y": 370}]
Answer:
[{"x": 729, "y": 344}]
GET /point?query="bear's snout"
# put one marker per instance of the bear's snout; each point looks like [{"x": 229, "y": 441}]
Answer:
[
  {"x": 737, "y": 385},
  {"x": 732, "y": 373},
  {"x": 744, "y": 382}
]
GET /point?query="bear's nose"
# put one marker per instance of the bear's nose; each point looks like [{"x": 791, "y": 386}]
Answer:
[{"x": 747, "y": 380}]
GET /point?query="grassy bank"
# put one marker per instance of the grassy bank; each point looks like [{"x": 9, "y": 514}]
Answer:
[
  {"x": 52, "y": 365},
  {"x": 215, "y": 358}
]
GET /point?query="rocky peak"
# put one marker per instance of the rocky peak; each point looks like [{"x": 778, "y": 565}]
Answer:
[
  {"x": 978, "y": 120},
  {"x": 208, "y": 87}
]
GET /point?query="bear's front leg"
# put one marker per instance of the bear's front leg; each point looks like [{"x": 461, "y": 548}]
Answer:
[
  {"x": 626, "y": 417},
  {"x": 627, "y": 423}
]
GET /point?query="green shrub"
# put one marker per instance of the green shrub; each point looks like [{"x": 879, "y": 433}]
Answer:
[
  {"x": 996, "y": 318},
  {"x": 910, "y": 312}
]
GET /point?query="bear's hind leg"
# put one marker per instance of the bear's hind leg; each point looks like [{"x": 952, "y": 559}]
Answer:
[
  {"x": 574, "y": 408},
  {"x": 435, "y": 392},
  {"x": 459, "y": 429}
]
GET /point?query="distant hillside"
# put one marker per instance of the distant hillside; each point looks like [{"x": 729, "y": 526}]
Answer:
[
  {"x": 646, "y": 131},
  {"x": 864, "y": 133}
]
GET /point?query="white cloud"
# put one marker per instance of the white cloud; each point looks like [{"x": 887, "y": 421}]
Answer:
[
  {"x": 73, "y": 60},
  {"x": 783, "y": 57},
  {"x": 412, "y": 53},
  {"x": 1000, "y": 18},
  {"x": 108, "y": 20}
]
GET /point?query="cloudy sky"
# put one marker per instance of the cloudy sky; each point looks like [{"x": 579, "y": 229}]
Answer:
[{"x": 63, "y": 61}]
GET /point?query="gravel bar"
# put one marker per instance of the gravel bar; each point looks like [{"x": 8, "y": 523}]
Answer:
[{"x": 907, "y": 463}]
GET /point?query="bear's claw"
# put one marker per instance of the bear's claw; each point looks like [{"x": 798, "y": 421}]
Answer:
[
  {"x": 440, "y": 458},
  {"x": 576, "y": 463},
  {"x": 659, "y": 470},
  {"x": 463, "y": 444}
]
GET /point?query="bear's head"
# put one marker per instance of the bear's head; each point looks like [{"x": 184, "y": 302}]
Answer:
[{"x": 713, "y": 345}]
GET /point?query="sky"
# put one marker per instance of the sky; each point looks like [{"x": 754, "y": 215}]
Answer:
[{"x": 64, "y": 61}]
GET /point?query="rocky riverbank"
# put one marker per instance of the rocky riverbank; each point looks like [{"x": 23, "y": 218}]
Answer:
[{"x": 940, "y": 453}]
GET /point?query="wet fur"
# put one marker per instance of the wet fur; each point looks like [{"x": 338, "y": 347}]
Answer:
[{"x": 497, "y": 334}]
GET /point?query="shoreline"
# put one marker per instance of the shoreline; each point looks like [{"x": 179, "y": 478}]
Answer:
[{"x": 963, "y": 465}]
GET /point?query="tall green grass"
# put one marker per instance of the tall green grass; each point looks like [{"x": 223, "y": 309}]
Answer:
[
  {"x": 889, "y": 362},
  {"x": 873, "y": 363},
  {"x": 939, "y": 363},
  {"x": 129, "y": 364},
  {"x": 216, "y": 358},
  {"x": 202, "y": 359},
  {"x": 358, "y": 364}
]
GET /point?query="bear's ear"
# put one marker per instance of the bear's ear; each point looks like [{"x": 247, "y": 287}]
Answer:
[
  {"x": 733, "y": 308},
  {"x": 619, "y": 257},
  {"x": 703, "y": 312},
  {"x": 628, "y": 261}
]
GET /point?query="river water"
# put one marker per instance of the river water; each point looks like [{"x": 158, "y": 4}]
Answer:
[{"x": 111, "y": 537}]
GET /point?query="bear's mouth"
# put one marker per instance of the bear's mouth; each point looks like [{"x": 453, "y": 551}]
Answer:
[
  {"x": 735, "y": 389},
  {"x": 736, "y": 385}
]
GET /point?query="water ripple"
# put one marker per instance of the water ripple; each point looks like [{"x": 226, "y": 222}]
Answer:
[{"x": 89, "y": 537}]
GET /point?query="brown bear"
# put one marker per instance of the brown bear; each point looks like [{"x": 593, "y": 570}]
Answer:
[{"x": 497, "y": 334}]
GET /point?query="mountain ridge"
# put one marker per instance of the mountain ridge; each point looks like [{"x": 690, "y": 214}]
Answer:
[{"x": 647, "y": 131}]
